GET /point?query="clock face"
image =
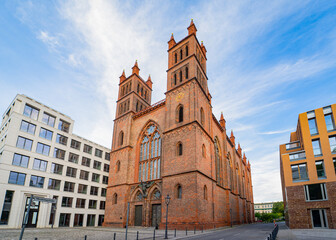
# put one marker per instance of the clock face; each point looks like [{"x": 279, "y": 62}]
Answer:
[{"x": 179, "y": 96}]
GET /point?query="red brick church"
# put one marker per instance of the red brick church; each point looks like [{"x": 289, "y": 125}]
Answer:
[{"x": 175, "y": 147}]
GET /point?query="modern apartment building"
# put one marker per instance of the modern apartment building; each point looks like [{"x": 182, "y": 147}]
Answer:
[
  {"x": 308, "y": 171},
  {"x": 40, "y": 156},
  {"x": 263, "y": 207}
]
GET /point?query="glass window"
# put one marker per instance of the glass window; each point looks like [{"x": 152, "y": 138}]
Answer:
[
  {"x": 106, "y": 168},
  {"x": 54, "y": 184},
  {"x": 320, "y": 169},
  {"x": 78, "y": 221},
  {"x": 64, "y": 220},
  {"x": 71, "y": 172},
  {"x": 107, "y": 156},
  {"x": 7, "y": 205},
  {"x": 84, "y": 175},
  {"x": 82, "y": 188},
  {"x": 67, "y": 202},
  {"x": 95, "y": 177},
  {"x": 69, "y": 186},
  {"x": 40, "y": 165},
  {"x": 36, "y": 181},
  {"x": 31, "y": 112},
  {"x": 48, "y": 119},
  {"x": 312, "y": 123},
  {"x": 20, "y": 160},
  {"x": 92, "y": 204},
  {"x": 63, "y": 126},
  {"x": 105, "y": 179},
  {"x": 17, "y": 178},
  {"x": 43, "y": 149},
  {"x": 316, "y": 147},
  {"x": 299, "y": 172},
  {"x": 73, "y": 157},
  {"x": 332, "y": 141},
  {"x": 94, "y": 191},
  {"x": 24, "y": 143},
  {"x": 334, "y": 161},
  {"x": 45, "y": 133},
  {"x": 56, "y": 168},
  {"x": 61, "y": 139},
  {"x": 86, "y": 161},
  {"x": 28, "y": 127},
  {"x": 75, "y": 144},
  {"x": 91, "y": 218},
  {"x": 102, "y": 205},
  {"x": 87, "y": 149},
  {"x": 103, "y": 192},
  {"x": 98, "y": 153},
  {"x": 96, "y": 165},
  {"x": 315, "y": 192},
  {"x": 329, "y": 118},
  {"x": 80, "y": 203},
  {"x": 53, "y": 211},
  {"x": 58, "y": 153}
]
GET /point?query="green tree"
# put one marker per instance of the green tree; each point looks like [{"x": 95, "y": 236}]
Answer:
[
  {"x": 257, "y": 215},
  {"x": 278, "y": 207}
]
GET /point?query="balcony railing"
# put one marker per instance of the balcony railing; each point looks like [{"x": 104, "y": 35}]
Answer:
[
  {"x": 297, "y": 156},
  {"x": 292, "y": 145}
]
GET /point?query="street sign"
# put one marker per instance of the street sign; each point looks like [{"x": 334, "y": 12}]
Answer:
[{"x": 46, "y": 200}]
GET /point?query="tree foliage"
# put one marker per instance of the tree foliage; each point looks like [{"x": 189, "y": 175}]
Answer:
[{"x": 278, "y": 207}]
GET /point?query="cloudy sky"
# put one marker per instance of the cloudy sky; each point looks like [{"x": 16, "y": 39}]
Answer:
[{"x": 268, "y": 61}]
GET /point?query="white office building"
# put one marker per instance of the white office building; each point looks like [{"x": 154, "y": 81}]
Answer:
[{"x": 40, "y": 156}]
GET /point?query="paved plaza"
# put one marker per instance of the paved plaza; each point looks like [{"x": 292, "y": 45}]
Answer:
[{"x": 247, "y": 231}]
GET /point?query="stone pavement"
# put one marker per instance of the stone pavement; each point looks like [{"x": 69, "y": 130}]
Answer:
[
  {"x": 93, "y": 233},
  {"x": 305, "y": 234}
]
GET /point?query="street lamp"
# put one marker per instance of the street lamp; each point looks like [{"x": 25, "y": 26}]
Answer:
[{"x": 167, "y": 199}]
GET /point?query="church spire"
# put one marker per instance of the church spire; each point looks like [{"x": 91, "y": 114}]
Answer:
[
  {"x": 123, "y": 76},
  {"x": 192, "y": 28},
  {"x": 135, "y": 68},
  {"x": 171, "y": 42},
  {"x": 222, "y": 121},
  {"x": 149, "y": 82},
  {"x": 232, "y": 138}
]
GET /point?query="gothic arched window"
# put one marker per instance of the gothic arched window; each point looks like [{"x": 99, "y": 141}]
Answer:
[
  {"x": 179, "y": 149},
  {"x": 203, "y": 151},
  {"x": 175, "y": 79},
  {"x": 150, "y": 153},
  {"x": 121, "y": 138},
  {"x": 118, "y": 166},
  {"x": 219, "y": 167},
  {"x": 115, "y": 199},
  {"x": 181, "y": 54},
  {"x": 181, "y": 76},
  {"x": 175, "y": 57},
  {"x": 202, "y": 116},
  {"x": 179, "y": 114},
  {"x": 187, "y": 51},
  {"x": 205, "y": 192},
  {"x": 187, "y": 73},
  {"x": 178, "y": 191}
]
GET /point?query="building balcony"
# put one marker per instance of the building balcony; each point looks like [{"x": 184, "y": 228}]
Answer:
[
  {"x": 293, "y": 145},
  {"x": 297, "y": 156}
]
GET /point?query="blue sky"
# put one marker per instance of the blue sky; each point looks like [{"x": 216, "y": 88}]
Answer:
[{"x": 268, "y": 61}]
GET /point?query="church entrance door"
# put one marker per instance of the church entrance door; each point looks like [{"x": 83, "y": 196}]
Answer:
[
  {"x": 138, "y": 215},
  {"x": 156, "y": 215}
]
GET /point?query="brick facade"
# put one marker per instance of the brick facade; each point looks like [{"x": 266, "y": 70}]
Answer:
[{"x": 208, "y": 178}]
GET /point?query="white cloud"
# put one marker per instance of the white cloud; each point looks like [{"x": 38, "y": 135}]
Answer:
[{"x": 50, "y": 41}]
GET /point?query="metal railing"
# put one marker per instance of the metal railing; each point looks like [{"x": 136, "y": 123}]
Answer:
[
  {"x": 274, "y": 233},
  {"x": 297, "y": 156},
  {"x": 292, "y": 145}
]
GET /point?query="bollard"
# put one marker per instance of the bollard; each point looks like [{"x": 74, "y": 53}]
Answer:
[
  {"x": 154, "y": 234},
  {"x": 35, "y": 238},
  {"x": 85, "y": 237},
  {"x": 202, "y": 228},
  {"x": 194, "y": 230},
  {"x": 175, "y": 233},
  {"x": 137, "y": 235},
  {"x": 186, "y": 231},
  {"x": 114, "y": 236},
  {"x": 215, "y": 226}
]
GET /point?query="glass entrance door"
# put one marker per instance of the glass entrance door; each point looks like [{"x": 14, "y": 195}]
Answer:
[
  {"x": 33, "y": 213},
  {"x": 319, "y": 218}
]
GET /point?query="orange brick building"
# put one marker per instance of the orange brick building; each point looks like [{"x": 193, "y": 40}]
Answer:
[
  {"x": 175, "y": 147},
  {"x": 308, "y": 171}
]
